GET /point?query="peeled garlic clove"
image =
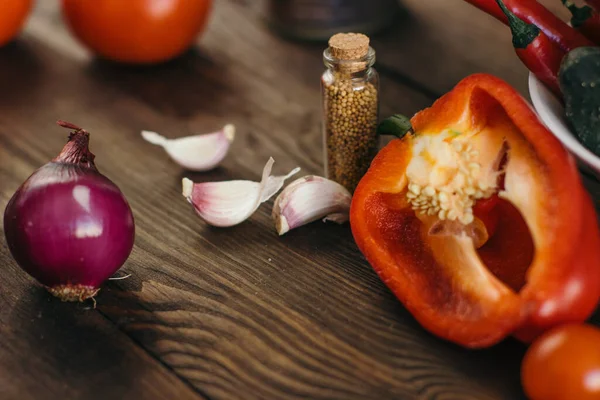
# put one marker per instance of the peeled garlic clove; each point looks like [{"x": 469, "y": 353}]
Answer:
[
  {"x": 198, "y": 152},
  {"x": 229, "y": 203},
  {"x": 308, "y": 199}
]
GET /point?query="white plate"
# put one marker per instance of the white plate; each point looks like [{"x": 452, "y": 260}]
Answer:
[{"x": 552, "y": 113}]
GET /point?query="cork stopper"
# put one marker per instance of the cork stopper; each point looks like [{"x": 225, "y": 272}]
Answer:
[{"x": 349, "y": 46}]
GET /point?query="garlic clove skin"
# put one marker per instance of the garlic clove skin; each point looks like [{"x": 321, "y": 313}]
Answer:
[
  {"x": 229, "y": 203},
  {"x": 308, "y": 199},
  {"x": 338, "y": 218},
  {"x": 198, "y": 152}
]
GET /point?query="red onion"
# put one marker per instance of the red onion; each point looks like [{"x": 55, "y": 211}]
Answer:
[{"x": 68, "y": 225}]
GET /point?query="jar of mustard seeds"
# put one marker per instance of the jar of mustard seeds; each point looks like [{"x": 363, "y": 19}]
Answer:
[{"x": 350, "y": 96}]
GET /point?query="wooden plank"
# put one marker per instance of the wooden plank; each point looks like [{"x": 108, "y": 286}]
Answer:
[{"x": 51, "y": 350}]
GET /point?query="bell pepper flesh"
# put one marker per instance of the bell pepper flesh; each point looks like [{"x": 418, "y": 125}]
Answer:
[
  {"x": 538, "y": 264},
  {"x": 510, "y": 250},
  {"x": 488, "y": 212}
]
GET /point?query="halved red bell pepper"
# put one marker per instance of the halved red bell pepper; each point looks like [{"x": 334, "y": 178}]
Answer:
[{"x": 464, "y": 278}]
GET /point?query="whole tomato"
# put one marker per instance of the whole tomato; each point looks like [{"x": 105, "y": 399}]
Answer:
[
  {"x": 563, "y": 364},
  {"x": 137, "y": 31},
  {"x": 12, "y": 16}
]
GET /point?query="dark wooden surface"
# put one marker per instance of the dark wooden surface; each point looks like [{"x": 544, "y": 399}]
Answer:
[{"x": 229, "y": 313}]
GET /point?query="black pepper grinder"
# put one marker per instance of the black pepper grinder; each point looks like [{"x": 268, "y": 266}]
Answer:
[{"x": 350, "y": 95}]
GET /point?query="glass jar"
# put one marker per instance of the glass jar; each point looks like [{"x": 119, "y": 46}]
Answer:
[{"x": 350, "y": 95}]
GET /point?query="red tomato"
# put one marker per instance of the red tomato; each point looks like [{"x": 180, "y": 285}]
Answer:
[
  {"x": 12, "y": 17},
  {"x": 137, "y": 31},
  {"x": 563, "y": 364}
]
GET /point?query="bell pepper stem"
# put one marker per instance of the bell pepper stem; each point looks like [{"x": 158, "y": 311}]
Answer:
[
  {"x": 522, "y": 32},
  {"x": 397, "y": 125}
]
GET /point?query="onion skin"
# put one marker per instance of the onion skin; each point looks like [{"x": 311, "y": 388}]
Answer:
[{"x": 68, "y": 226}]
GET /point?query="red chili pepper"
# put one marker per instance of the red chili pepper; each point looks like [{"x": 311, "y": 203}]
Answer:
[
  {"x": 594, "y": 3},
  {"x": 535, "y": 50},
  {"x": 585, "y": 20},
  {"x": 490, "y": 7},
  {"x": 533, "y": 12}
]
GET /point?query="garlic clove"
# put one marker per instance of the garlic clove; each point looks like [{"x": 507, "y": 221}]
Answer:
[
  {"x": 308, "y": 199},
  {"x": 198, "y": 152},
  {"x": 229, "y": 203}
]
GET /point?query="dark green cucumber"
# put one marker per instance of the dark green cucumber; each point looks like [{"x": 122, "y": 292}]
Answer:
[{"x": 579, "y": 79}]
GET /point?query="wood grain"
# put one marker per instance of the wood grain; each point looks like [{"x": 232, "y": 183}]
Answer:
[
  {"x": 234, "y": 313},
  {"x": 52, "y": 350}
]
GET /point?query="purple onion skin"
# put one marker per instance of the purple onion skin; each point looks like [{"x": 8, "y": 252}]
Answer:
[{"x": 68, "y": 226}]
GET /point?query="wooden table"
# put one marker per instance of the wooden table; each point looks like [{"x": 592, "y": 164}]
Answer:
[{"x": 234, "y": 313}]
